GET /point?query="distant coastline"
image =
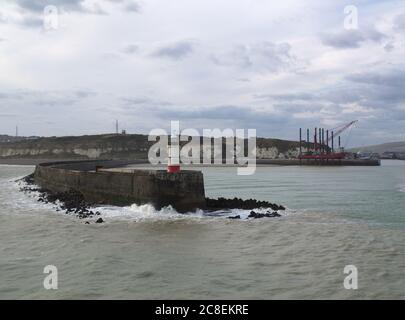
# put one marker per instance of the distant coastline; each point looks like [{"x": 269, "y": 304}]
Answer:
[
  {"x": 28, "y": 161},
  {"x": 35, "y": 150}
]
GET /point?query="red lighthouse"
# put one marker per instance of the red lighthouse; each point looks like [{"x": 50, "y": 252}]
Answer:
[{"x": 173, "y": 163}]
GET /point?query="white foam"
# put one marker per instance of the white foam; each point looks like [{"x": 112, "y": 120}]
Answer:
[
  {"x": 137, "y": 212},
  {"x": 148, "y": 212},
  {"x": 21, "y": 202},
  {"x": 28, "y": 202}
]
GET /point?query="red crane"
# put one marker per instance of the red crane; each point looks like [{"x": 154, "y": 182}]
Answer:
[
  {"x": 323, "y": 153},
  {"x": 340, "y": 129}
]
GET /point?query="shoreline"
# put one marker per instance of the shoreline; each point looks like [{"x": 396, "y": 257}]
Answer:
[{"x": 30, "y": 161}]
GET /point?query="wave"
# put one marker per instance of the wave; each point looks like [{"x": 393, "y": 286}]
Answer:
[
  {"x": 137, "y": 212},
  {"x": 18, "y": 202},
  {"x": 145, "y": 212}
]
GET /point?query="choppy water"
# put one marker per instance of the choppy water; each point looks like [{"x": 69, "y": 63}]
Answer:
[{"x": 335, "y": 217}]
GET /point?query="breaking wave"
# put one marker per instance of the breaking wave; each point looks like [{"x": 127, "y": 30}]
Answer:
[
  {"x": 148, "y": 212},
  {"x": 134, "y": 212}
]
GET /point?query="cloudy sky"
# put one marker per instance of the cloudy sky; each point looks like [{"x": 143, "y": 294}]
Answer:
[{"x": 269, "y": 65}]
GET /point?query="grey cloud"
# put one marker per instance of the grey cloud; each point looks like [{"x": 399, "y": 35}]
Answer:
[
  {"x": 342, "y": 95},
  {"x": 204, "y": 113},
  {"x": 346, "y": 39},
  {"x": 373, "y": 34},
  {"x": 175, "y": 51},
  {"x": 127, "y": 5},
  {"x": 399, "y": 22},
  {"x": 261, "y": 57},
  {"x": 11, "y": 95},
  {"x": 46, "y": 98},
  {"x": 380, "y": 92},
  {"x": 389, "y": 46},
  {"x": 244, "y": 116},
  {"x": 32, "y": 21},
  {"x": 238, "y": 56},
  {"x": 371, "y": 97},
  {"x": 130, "y": 49},
  {"x": 391, "y": 78},
  {"x": 110, "y": 56},
  {"x": 231, "y": 116},
  {"x": 350, "y": 39},
  {"x": 132, "y": 7},
  {"x": 32, "y": 10},
  {"x": 376, "y": 92},
  {"x": 367, "y": 89},
  {"x": 82, "y": 94},
  {"x": 336, "y": 95},
  {"x": 215, "y": 113},
  {"x": 227, "y": 116},
  {"x": 301, "y": 106},
  {"x": 287, "y": 96},
  {"x": 39, "y": 5},
  {"x": 8, "y": 115},
  {"x": 130, "y": 102},
  {"x": 137, "y": 100},
  {"x": 221, "y": 112}
]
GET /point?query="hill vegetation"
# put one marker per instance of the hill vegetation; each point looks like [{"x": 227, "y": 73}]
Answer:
[{"x": 113, "y": 146}]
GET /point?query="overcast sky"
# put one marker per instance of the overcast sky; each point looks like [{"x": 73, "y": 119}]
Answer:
[{"x": 269, "y": 65}]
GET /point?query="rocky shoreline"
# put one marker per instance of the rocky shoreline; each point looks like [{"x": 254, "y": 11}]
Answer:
[
  {"x": 237, "y": 203},
  {"x": 73, "y": 202},
  {"x": 250, "y": 204}
]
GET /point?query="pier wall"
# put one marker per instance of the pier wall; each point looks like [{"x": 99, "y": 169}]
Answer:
[{"x": 184, "y": 190}]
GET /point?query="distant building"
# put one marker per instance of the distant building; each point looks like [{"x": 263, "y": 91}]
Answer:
[
  {"x": 367, "y": 155},
  {"x": 388, "y": 155},
  {"x": 393, "y": 155}
]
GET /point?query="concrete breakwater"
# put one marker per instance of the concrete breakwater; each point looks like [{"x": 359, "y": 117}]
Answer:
[
  {"x": 106, "y": 182},
  {"x": 78, "y": 186}
]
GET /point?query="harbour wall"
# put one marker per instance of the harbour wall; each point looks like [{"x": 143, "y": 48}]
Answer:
[{"x": 183, "y": 190}]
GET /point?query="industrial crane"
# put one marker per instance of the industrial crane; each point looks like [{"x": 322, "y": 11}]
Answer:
[
  {"x": 321, "y": 143},
  {"x": 338, "y": 130}
]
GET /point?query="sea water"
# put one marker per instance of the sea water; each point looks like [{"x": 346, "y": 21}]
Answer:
[{"x": 336, "y": 216}]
